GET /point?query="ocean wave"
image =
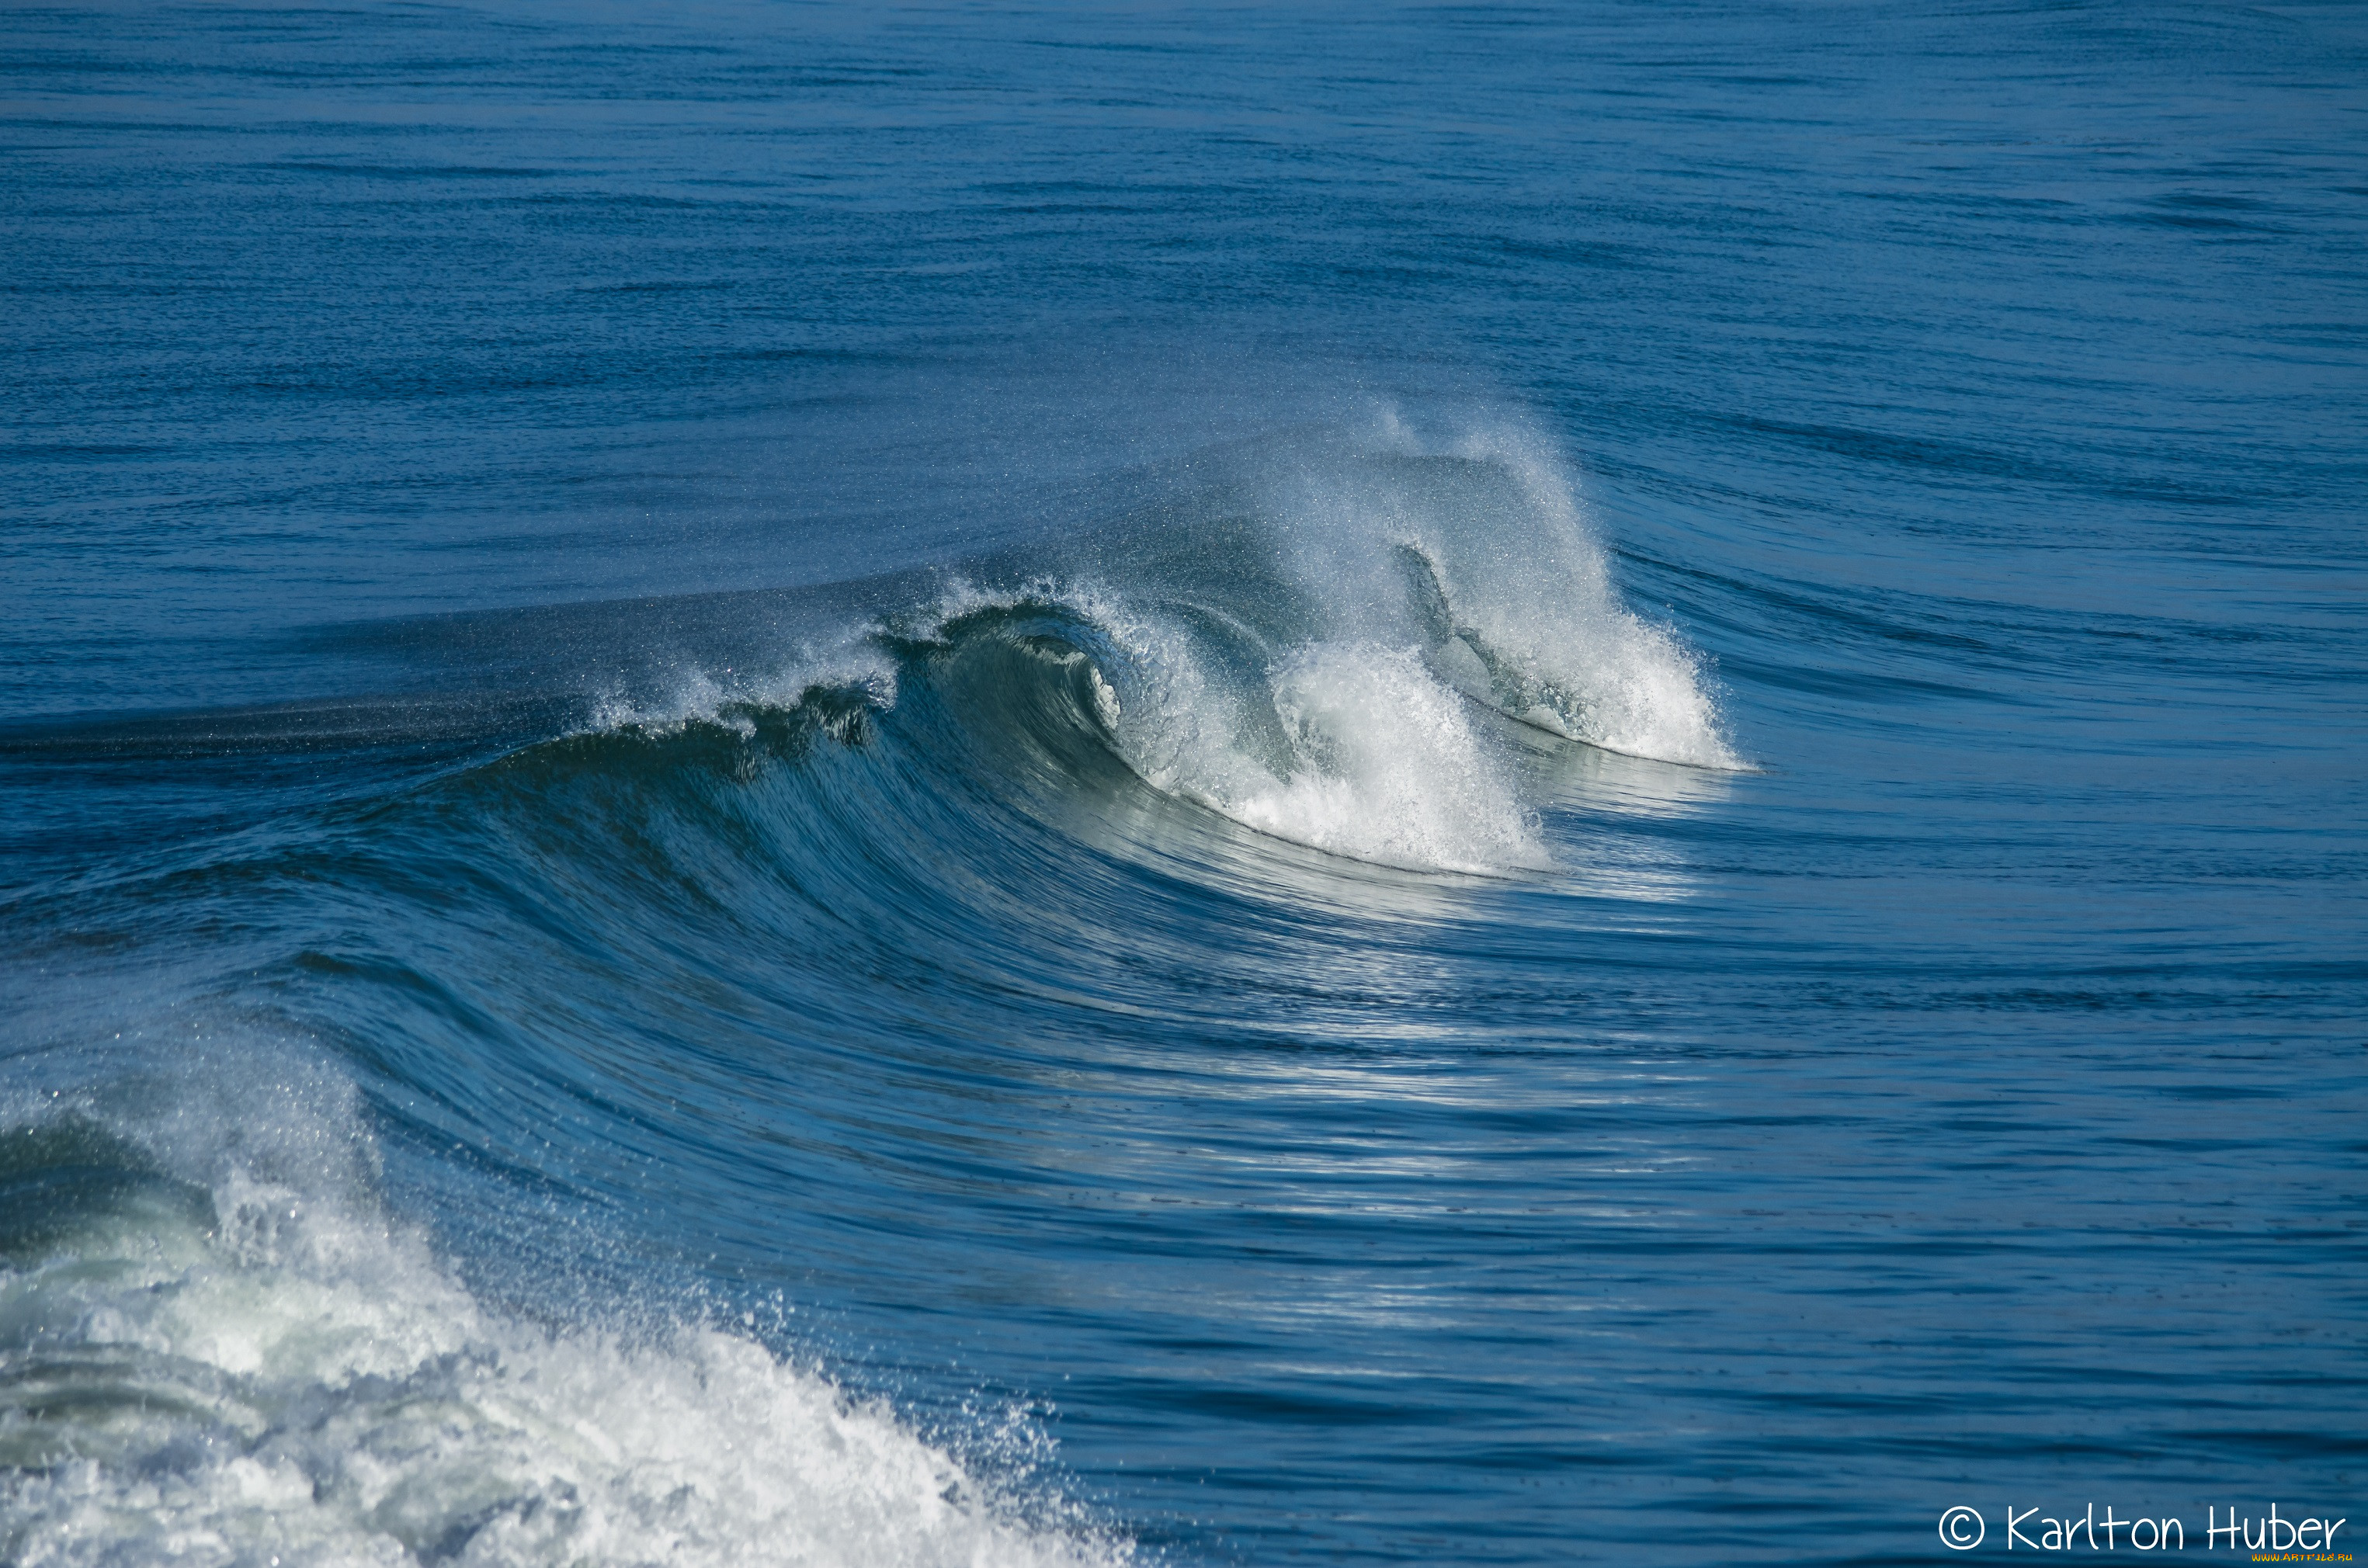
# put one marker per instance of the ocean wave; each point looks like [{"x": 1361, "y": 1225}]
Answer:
[
  {"x": 238, "y": 1366},
  {"x": 1323, "y": 650}
]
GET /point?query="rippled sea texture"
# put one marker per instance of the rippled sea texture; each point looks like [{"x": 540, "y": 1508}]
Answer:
[{"x": 796, "y": 784}]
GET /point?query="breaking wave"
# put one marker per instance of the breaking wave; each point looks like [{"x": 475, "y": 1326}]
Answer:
[
  {"x": 252, "y": 1364},
  {"x": 1328, "y": 651}
]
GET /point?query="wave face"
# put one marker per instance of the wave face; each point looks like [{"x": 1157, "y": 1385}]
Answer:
[{"x": 1371, "y": 785}]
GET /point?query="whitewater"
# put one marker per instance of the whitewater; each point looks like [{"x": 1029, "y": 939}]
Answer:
[{"x": 985, "y": 787}]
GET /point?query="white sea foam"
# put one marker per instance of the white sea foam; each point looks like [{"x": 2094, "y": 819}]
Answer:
[
  {"x": 730, "y": 697},
  {"x": 1565, "y": 653},
  {"x": 1383, "y": 765},
  {"x": 1355, "y": 748},
  {"x": 306, "y": 1385},
  {"x": 1536, "y": 625}
]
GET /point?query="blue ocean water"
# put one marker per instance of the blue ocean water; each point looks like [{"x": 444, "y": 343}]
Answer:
[{"x": 985, "y": 785}]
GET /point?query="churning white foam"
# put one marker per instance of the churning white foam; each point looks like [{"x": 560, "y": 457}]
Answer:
[
  {"x": 303, "y": 1385},
  {"x": 1383, "y": 764},
  {"x": 1354, "y": 748},
  {"x": 1536, "y": 625},
  {"x": 1556, "y": 631}
]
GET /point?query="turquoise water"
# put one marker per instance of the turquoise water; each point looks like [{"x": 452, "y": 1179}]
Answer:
[{"x": 993, "y": 786}]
